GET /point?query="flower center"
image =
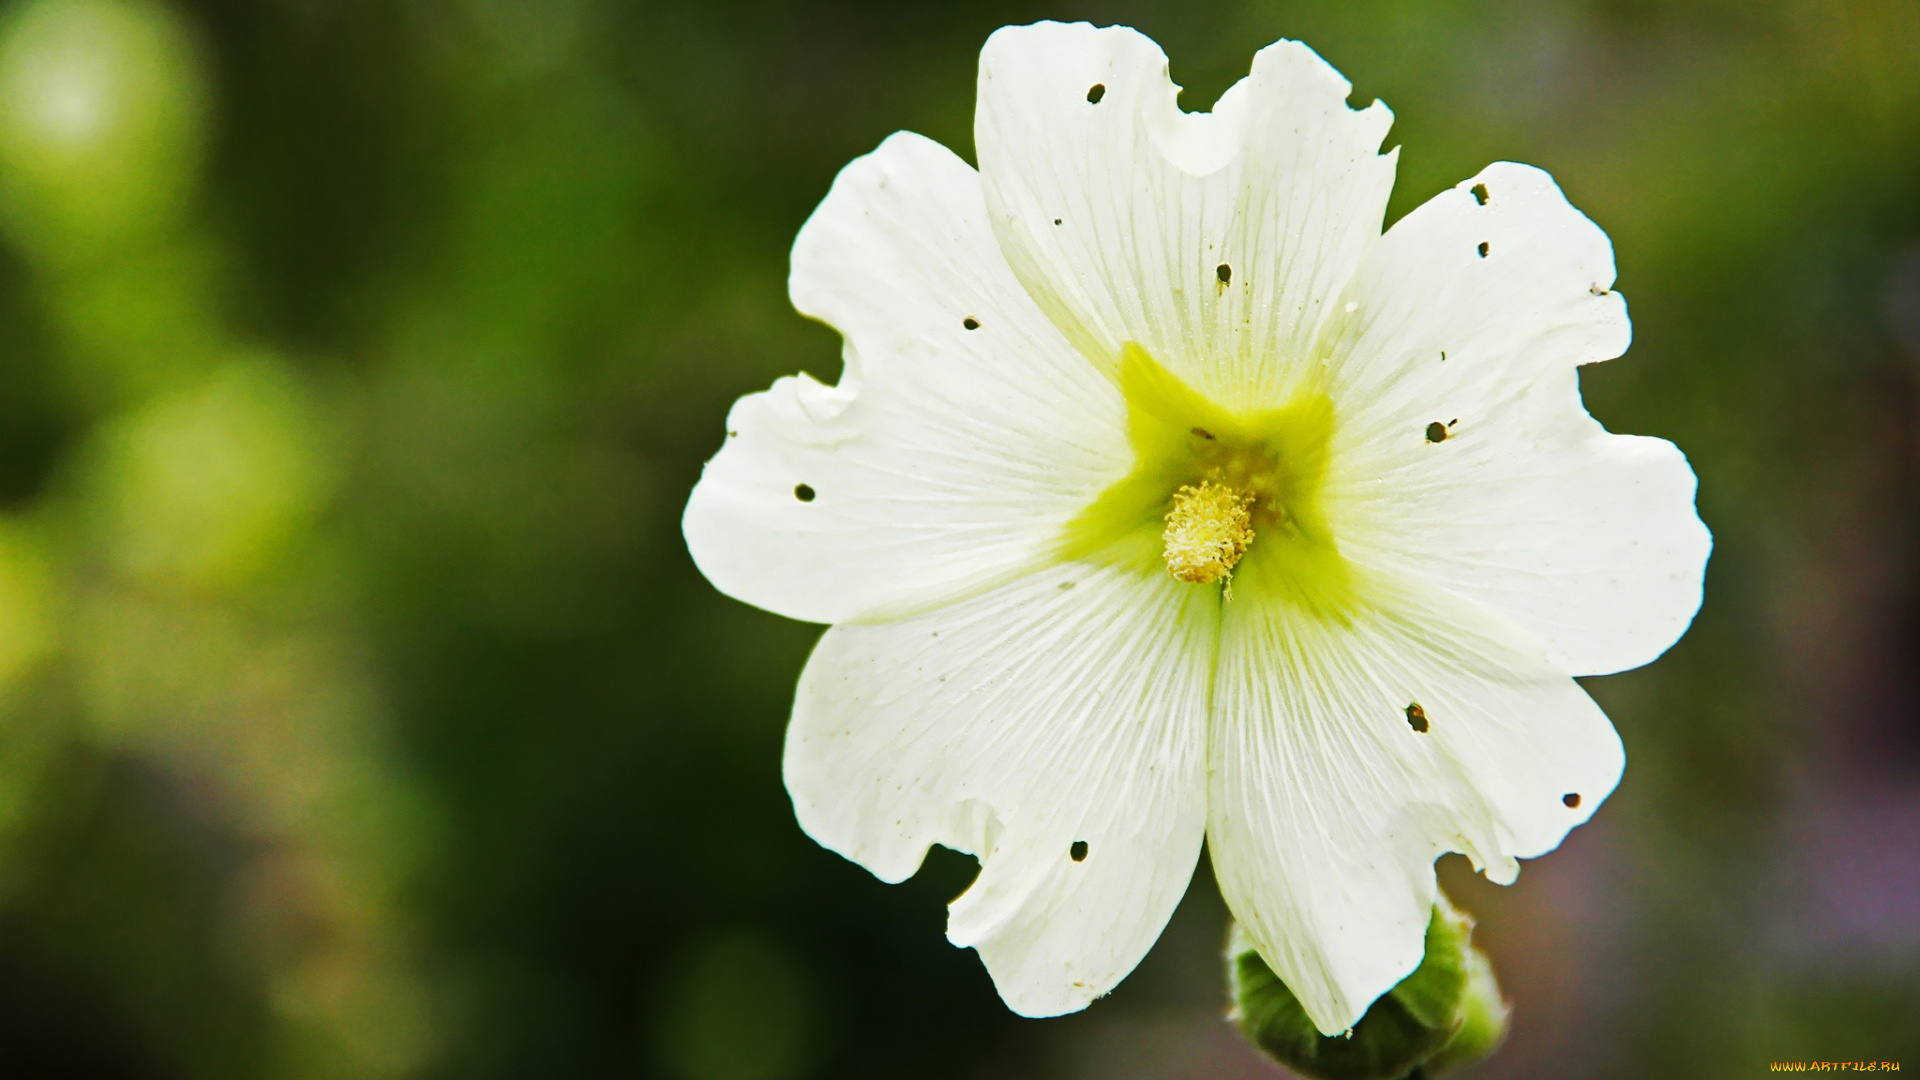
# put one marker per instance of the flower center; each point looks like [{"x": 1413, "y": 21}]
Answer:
[
  {"x": 1207, "y": 531},
  {"x": 1206, "y": 481}
]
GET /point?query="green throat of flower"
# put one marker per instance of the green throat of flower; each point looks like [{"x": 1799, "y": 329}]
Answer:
[{"x": 1216, "y": 494}]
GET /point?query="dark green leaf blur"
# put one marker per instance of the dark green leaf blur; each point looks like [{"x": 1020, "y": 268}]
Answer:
[{"x": 362, "y": 715}]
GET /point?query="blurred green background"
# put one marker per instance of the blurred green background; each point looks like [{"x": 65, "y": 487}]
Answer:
[{"x": 361, "y": 714}]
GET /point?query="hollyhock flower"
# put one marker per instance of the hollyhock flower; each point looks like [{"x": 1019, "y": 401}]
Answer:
[{"x": 1164, "y": 498}]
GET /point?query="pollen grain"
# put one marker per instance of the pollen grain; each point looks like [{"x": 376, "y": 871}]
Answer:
[{"x": 1207, "y": 532}]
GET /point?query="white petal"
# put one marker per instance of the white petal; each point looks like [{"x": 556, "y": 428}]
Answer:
[
  {"x": 1282, "y": 184},
  {"x": 1588, "y": 540},
  {"x": 1067, "y": 707},
  {"x": 1327, "y": 808},
  {"x": 949, "y": 457}
]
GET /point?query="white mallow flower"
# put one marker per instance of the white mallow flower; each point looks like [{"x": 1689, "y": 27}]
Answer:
[{"x": 1165, "y": 498}]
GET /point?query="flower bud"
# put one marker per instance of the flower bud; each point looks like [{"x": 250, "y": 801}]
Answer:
[
  {"x": 1483, "y": 1022},
  {"x": 1448, "y": 1012}
]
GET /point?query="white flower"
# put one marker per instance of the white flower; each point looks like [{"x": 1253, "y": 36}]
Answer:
[{"x": 1165, "y": 498}]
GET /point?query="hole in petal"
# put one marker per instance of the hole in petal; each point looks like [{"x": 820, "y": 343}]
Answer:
[
  {"x": 1096, "y": 92},
  {"x": 1436, "y": 432},
  {"x": 1480, "y": 194},
  {"x": 1417, "y": 718},
  {"x": 1483, "y": 249},
  {"x": 1225, "y": 273},
  {"x": 1056, "y": 221},
  {"x": 971, "y": 323},
  {"x": 1572, "y": 799},
  {"x": 803, "y": 492},
  {"x": 1078, "y": 852}
]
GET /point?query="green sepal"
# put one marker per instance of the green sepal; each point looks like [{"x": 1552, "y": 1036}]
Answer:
[
  {"x": 1447, "y": 1012},
  {"x": 1484, "y": 1013}
]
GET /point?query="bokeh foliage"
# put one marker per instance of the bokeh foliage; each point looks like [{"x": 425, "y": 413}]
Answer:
[{"x": 361, "y": 714}]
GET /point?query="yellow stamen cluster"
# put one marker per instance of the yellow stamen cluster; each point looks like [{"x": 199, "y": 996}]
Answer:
[{"x": 1207, "y": 531}]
